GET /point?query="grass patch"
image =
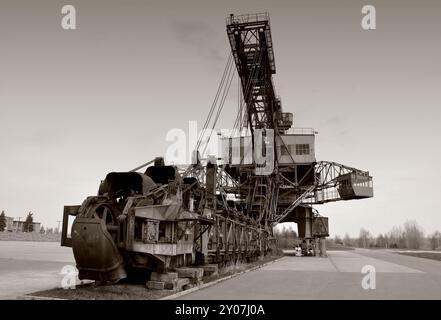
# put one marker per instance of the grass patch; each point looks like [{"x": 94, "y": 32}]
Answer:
[
  {"x": 29, "y": 236},
  {"x": 426, "y": 255},
  {"x": 339, "y": 248},
  {"x": 120, "y": 291}
]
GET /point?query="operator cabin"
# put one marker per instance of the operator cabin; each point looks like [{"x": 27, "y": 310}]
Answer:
[{"x": 293, "y": 145}]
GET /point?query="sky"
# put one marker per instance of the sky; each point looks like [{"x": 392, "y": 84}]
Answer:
[{"x": 77, "y": 104}]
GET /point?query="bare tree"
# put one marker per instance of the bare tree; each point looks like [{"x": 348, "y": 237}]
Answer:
[
  {"x": 414, "y": 234},
  {"x": 435, "y": 240},
  {"x": 347, "y": 241},
  {"x": 397, "y": 238},
  {"x": 386, "y": 241},
  {"x": 338, "y": 240},
  {"x": 364, "y": 237}
]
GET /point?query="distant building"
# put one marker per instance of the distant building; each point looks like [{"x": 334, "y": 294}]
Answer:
[
  {"x": 18, "y": 225},
  {"x": 9, "y": 223}
]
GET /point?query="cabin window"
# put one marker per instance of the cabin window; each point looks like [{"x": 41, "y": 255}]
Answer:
[
  {"x": 161, "y": 232},
  {"x": 302, "y": 149},
  {"x": 366, "y": 184}
]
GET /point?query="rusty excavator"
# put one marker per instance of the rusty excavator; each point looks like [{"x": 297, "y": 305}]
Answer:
[{"x": 219, "y": 209}]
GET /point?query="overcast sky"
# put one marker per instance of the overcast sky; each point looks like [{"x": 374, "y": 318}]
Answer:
[{"x": 75, "y": 105}]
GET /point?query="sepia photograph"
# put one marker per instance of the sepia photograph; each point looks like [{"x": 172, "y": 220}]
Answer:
[{"x": 220, "y": 154}]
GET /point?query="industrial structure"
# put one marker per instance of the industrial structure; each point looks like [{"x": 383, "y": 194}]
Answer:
[{"x": 219, "y": 209}]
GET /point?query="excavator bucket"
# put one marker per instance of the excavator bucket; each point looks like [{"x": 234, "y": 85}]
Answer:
[{"x": 95, "y": 251}]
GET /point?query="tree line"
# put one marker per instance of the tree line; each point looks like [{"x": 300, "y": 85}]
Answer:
[
  {"x": 408, "y": 236},
  {"x": 286, "y": 238}
]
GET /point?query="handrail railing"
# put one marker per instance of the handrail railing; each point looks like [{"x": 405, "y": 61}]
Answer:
[
  {"x": 248, "y": 18},
  {"x": 301, "y": 131}
]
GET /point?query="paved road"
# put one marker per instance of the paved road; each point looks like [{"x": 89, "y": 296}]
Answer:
[
  {"x": 336, "y": 277},
  {"x": 26, "y": 267}
]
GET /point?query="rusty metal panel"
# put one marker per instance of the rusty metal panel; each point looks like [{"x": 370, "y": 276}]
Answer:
[
  {"x": 95, "y": 250},
  {"x": 68, "y": 211},
  {"x": 159, "y": 212},
  {"x": 320, "y": 227}
]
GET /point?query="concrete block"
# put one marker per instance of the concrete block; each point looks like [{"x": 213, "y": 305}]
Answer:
[
  {"x": 166, "y": 277},
  {"x": 155, "y": 285},
  {"x": 192, "y": 273},
  {"x": 188, "y": 286},
  {"x": 177, "y": 285},
  {"x": 211, "y": 270},
  {"x": 172, "y": 285},
  {"x": 183, "y": 282},
  {"x": 196, "y": 282}
]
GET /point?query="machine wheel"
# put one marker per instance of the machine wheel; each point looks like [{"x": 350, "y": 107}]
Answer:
[{"x": 104, "y": 213}]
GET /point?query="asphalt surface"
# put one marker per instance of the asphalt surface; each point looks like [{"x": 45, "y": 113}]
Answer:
[
  {"x": 336, "y": 277},
  {"x": 27, "y": 267}
]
